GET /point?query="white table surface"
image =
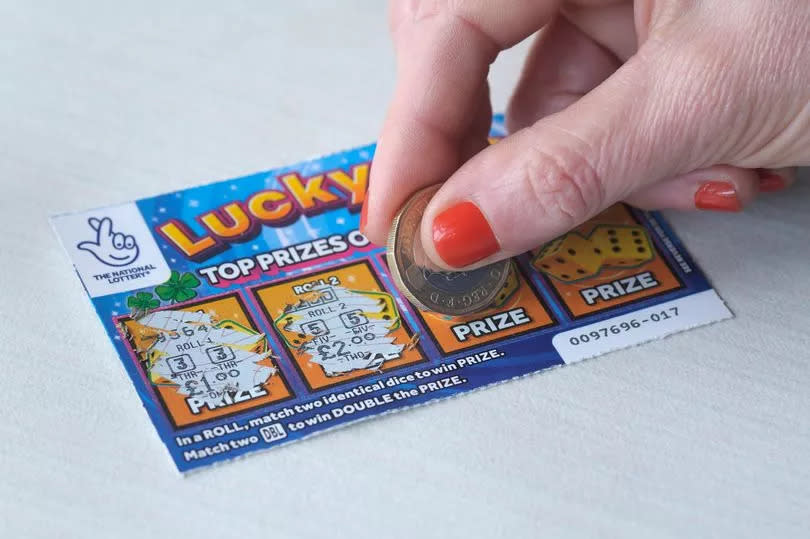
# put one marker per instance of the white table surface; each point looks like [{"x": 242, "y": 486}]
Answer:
[{"x": 706, "y": 433}]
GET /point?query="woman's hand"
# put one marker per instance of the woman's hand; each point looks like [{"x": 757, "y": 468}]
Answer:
[{"x": 667, "y": 104}]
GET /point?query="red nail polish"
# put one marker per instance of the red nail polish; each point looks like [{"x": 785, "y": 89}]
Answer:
[
  {"x": 717, "y": 196},
  {"x": 768, "y": 183},
  {"x": 462, "y": 235},
  {"x": 364, "y": 214}
]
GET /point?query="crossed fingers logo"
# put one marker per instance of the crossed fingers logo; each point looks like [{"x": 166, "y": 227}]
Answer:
[{"x": 109, "y": 247}]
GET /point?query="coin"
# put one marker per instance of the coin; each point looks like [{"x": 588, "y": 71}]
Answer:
[{"x": 453, "y": 293}]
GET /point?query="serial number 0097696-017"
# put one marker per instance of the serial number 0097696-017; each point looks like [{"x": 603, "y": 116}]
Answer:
[{"x": 622, "y": 327}]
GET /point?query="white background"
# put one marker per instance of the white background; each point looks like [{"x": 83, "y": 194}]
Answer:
[{"x": 702, "y": 434}]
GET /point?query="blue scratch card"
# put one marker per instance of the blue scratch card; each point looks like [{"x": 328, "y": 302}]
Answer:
[{"x": 252, "y": 312}]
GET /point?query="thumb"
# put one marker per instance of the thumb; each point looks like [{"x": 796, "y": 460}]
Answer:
[
  {"x": 89, "y": 246},
  {"x": 549, "y": 177}
]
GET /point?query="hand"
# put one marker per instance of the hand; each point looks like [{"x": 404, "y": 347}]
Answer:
[
  {"x": 665, "y": 104},
  {"x": 110, "y": 248}
]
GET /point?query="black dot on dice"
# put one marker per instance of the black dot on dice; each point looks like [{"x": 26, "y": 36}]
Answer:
[
  {"x": 565, "y": 276},
  {"x": 386, "y": 317},
  {"x": 614, "y": 240},
  {"x": 635, "y": 232},
  {"x": 597, "y": 250},
  {"x": 581, "y": 271},
  {"x": 301, "y": 335},
  {"x": 637, "y": 241},
  {"x": 545, "y": 266},
  {"x": 560, "y": 260},
  {"x": 641, "y": 249},
  {"x": 616, "y": 249},
  {"x": 611, "y": 232},
  {"x": 572, "y": 252}
]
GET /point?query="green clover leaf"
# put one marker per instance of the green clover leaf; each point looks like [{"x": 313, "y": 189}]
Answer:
[
  {"x": 142, "y": 301},
  {"x": 178, "y": 288},
  {"x": 189, "y": 280}
]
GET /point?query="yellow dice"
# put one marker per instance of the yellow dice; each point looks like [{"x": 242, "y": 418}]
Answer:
[
  {"x": 569, "y": 258},
  {"x": 622, "y": 245}
]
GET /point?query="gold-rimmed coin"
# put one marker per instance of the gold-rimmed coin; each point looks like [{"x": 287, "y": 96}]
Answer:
[{"x": 453, "y": 293}]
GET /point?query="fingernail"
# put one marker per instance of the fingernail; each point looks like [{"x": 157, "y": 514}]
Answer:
[
  {"x": 364, "y": 214},
  {"x": 462, "y": 235},
  {"x": 717, "y": 196},
  {"x": 768, "y": 183}
]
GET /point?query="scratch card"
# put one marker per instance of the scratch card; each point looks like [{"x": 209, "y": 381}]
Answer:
[{"x": 252, "y": 312}]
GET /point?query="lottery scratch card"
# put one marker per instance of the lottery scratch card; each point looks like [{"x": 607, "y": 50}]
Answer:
[{"x": 252, "y": 312}]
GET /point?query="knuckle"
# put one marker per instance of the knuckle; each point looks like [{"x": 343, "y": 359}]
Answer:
[
  {"x": 564, "y": 186},
  {"x": 411, "y": 11}
]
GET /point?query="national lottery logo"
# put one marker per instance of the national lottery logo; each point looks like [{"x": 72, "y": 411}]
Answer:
[
  {"x": 109, "y": 247},
  {"x": 112, "y": 249}
]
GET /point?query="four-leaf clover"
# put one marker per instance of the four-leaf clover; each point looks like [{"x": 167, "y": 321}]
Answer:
[
  {"x": 142, "y": 301},
  {"x": 178, "y": 288}
]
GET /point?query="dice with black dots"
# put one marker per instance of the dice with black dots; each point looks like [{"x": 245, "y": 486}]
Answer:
[
  {"x": 622, "y": 246},
  {"x": 573, "y": 257},
  {"x": 569, "y": 258}
]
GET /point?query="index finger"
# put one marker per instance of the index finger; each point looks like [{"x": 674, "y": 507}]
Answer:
[
  {"x": 104, "y": 229},
  {"x": 443, "y": 54}
]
